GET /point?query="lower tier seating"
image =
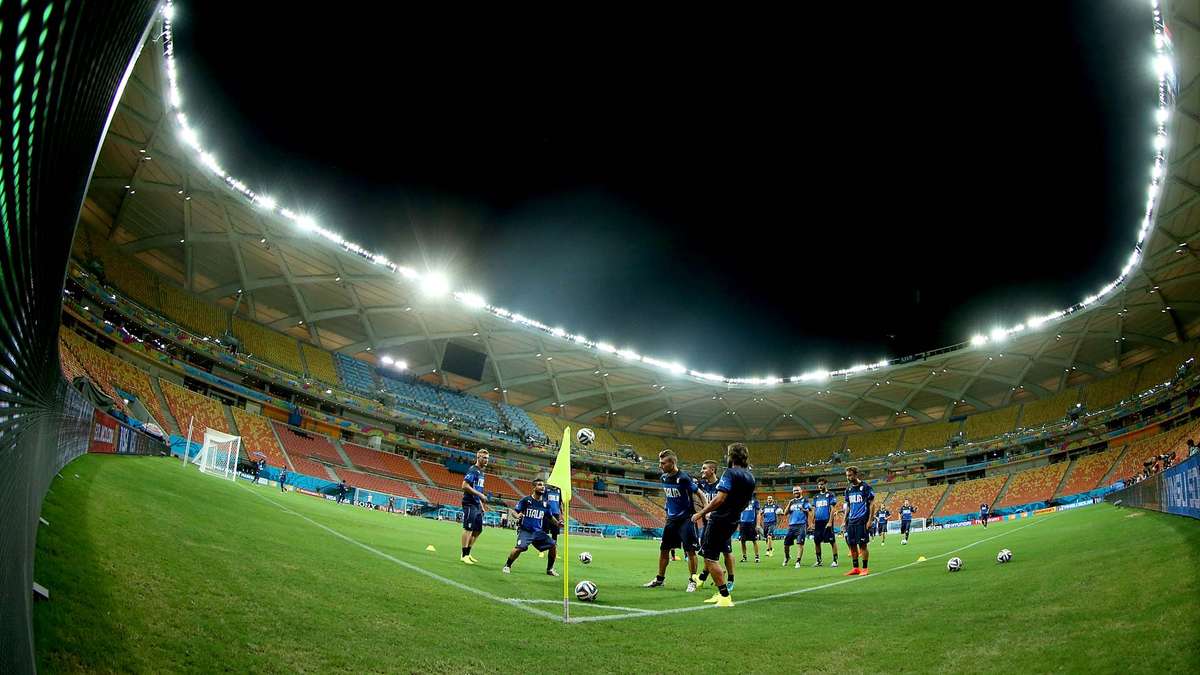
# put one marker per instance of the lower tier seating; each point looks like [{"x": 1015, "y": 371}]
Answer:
[
  {"x": 257, "y": 437},
  {"x": 1034, "y": 485},
  {"x": 308, "y": 445},
  {"x": 1089, "y": 471},
  {"x": 924, "y": 499},
  {"x": 368, "y": 481},
  {"x": 967, "y": 495},
  {"x": 387, "y": 462}
]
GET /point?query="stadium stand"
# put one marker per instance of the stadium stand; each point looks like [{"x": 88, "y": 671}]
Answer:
[
  {"x": 521, "y": 421},
  {"x": 813, "y": 449},
  {"x": 767, "y": 452},
  {"x": 186, "y": 404},
  {"x": 924, "y": 499},
  {"x": 103, "y": 367},
  {"x": 441, "y": 475},
  {"x": 644, "y": 521},
  {"x": 186, "y": 310},
  {"x": 1109, "y": 391},
  {"x": 307, "y": 445},
  {"x": 589, "y": 517},
  {"x": 257, "y": 436},
  {"x": 604, "y": 441},
  {"x": 72, "y": 368},
  {"x": 415, "y": 394},
  {"x": 378, "y": 460},
  {"x": 320, "y": 364},
  {"x": 1034, "y": 485},
  {"x": 308, "y": 467},
  {"x": 1052, "y": 409},
  {"x": 121, "y": 271},
  {"x": 548, "y": 425},
  {"x": 442, "y": 496},
  {"x": 694, "y": 450},
  {"x": 355, "y": 375},
  {"x": 993, "y": 423},
  {"x": 643, "y": 444},
  {"x": 610, "y": 501},
  {"x": 873, "y": 444},
  {"x": 1089, "y": 470},
  {"x": 478, "y": 410},
  {"x": 935, "y": 435},
  {"x": 966, "y": 496},
  {"x": 646, "y": 505},
  {"x": 1163, "y": 368},
  {"x": 266, "y": 344},
  {"x": 1147, "y": 448},
  {"x": 378, "y": 483}
]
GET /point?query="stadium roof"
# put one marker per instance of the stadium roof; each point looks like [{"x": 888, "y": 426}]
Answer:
[{"x": 176, "y": 210}]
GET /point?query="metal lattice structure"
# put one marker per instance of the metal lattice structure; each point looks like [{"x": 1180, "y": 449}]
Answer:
[{"x": 162, "y": 206}]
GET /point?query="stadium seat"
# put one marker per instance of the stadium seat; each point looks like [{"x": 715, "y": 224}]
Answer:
[
  {"x": 1163, "y": 368},
  {"x": 924, "y": 499},
  {"x": 1088, "y": 471},
  {"x": 268, "y": 345},
  {"x": 922, "y": 436},
  {"x": 375, "y": 483},
  {"x": 257, "y": 436},
  {"x": 589, "y": 517},
  {"x": 548, "y": 425},
  {"x": 356, "y": 376},
  {"x": 104, "y": 366},
  {"x": 308, "y": 467},
  {"x": 186, "y": 404},
  {"x": 646, "y": 505},
  {"x": 192, "y": 313},
  {"x": 320, "y": 364},
  {"x": 442, "y": 496},
  {"x": 1034, "y": 485},
  {"x": 441, "y": 475},
  {"x": 812, "y": 450},
  {"x": 966, "y": 496},
  {"x": 308, "y": 445},
  {"x": 644, "y": 445},
  {"x": 386, "y": 462},
  {"x": 121, "y": 270},
  {"x": 872, "y": 444},
  {"x": 993, "y": 423},
  {"x": 1035, "y": 414},
  {"x": 1149, "y": 447},
  {"x": 415, "y": 394},
  {"x": 72, "y": 368},
  {"x": 520, "y": 420},
  {"x": 1110, "y": 391},
  {"x": 695, "y": 451},
  {"x": 479, "y": 412}
]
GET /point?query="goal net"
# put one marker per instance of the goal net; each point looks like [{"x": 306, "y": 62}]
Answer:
[
  {"x": 918, "y": 524},
  {"x": 219, "y": 454}
]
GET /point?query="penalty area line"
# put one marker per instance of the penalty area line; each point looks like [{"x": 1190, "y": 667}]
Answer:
[
  {"x": 409, "y": 566},
  {"x": 799, "y": 591}
]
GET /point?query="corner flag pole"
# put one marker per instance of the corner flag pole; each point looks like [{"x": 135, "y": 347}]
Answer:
[{"x": 560, "y": 477}]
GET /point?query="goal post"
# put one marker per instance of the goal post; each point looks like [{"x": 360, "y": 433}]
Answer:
[
  {"x": 219, "y": 454},
  {"x": 893, "y": 526}
]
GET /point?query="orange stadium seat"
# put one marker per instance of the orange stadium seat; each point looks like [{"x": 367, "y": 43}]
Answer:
[
  {"x": 186, "y": 404},
  {"x": 924, "y": 499},
  {"x": 308, "y": 467},
  {"x": 387, "y": 462},
  {"x": 368, "y": 481},
  {"x": 442, "y": 496},
  {"x": 646, "y": 505},
  {"x": 967, "y": 495},
  {"x": 1089, "y": 471},
  {"x": 1034, "y": 485},
  {"x": 72, "y": 368},
  {"x": 441, "y": 475},
  {"x": 103, "y": 365},
  {"x": 588, "y": 517},
  {"x": 1158, "y": 444},
  {"x": 257, "y": 436},
  {"x": 310, "y": 445}
]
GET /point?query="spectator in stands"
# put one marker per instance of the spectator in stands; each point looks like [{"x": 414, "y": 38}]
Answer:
[{"x": 1192, "y": 448}]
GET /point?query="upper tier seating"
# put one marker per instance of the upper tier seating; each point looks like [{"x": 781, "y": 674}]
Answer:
[
  {"x": 479, "y": 410},
  {"x": 257, "y": 436},
  {"x": 1034, "y": 485},
  {"x": 922, "y": 436},
  {"x": 873, "y": 444},
  {"x": 356, "y": 376},
  {"x": 192, "y": 313},
  {"x": 320, "y": 363},
  {"x": 1089, "y": 471},
  {"x": 989, "y": 424},
  {"x": 416, "y": 394},
  {"x": 548, "y": 425},
  {"x": 924, "y": 499},
  {"x": 186, "y": 404},
  {"x": 519, "y": 419},
  {"x": 378, "y": 460},
  {"x": 1163, "y": 368},
  {"x": 696, "y": 451},
  {"x": 120, "y": 269},
  {"x": 643, "y": 444},
  {"x": 765, "y": 453},
  {"x": 310, "y": 445},
  {"x": 1110, "y": 390},
  {"x": 441, "y": 475},
  {"x": 368, "y": 481},
  {"x": 966, "y": 496},
  {"x": 264, "y": 343},
  {"x": 809, "y": 450},
  {"x": 1046, "y": 410}
]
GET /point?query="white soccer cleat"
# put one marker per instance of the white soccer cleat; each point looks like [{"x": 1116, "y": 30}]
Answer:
[
  {"x": 904, "y": 542},
  {"x": 786, "y": 563},
  {"x": 797, "y": 564},
  {"x": 506, "y": 570},
  {"x": 552, "y": 572},
  {"x": 833, "y": 564},
  {"x": 691, "y": 587}
]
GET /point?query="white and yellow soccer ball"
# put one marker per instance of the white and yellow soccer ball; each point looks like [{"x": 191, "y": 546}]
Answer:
[
  {"x": 954, "y": 564},
  {"x": 586, "y": 591},
  {"x": 1004, "y": 556},
  {"x": 585, "y": 436},
  {"x": 585, "y": 558}
]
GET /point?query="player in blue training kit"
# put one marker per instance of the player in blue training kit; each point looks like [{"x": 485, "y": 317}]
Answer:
[
  {"x": 283, "y": 476},
  {"x": 797, "y": 514},
  {"x": 859, "y": 497},
  {"x": 472, "y": 505},
  {"x": 983, "y": 514},
  {"x": 767, "y": 518},
  {"x": 707, "y": 486},
  {"x": 554, "y": 522},
  {"x": 679, "y": 531},
  {"x": 906, "y": 516},
  {"x": 748, "y": 527},
  {"x": 735, "y": 490},
  {"x": 822, "y": 510},
  {"x": 881, "y": 518},
  {"x": 534, "y": 512}
]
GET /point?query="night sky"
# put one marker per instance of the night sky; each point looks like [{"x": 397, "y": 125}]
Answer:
[{"x": 750, "y": 194}]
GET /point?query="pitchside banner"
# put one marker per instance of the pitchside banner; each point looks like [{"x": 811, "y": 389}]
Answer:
[
  {"x": 111, "y": 436},
  {"x": 1175, "y": 490}
]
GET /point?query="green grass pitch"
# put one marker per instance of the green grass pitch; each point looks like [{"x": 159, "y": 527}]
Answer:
[{"x": 157, "y": 568}]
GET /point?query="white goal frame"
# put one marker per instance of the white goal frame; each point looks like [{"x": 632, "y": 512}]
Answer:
[
  {"x": 918, "y": 525},
  {"x": 217, "y": 461}
]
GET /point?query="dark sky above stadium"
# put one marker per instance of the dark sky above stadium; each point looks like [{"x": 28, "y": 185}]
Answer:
[{"x": 750, "y": 193}]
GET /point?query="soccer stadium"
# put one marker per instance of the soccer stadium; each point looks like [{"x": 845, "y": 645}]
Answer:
[{"x": 235, "y": 440}]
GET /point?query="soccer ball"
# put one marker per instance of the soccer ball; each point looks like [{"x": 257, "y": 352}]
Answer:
[
  {"x": 585, "y": 436},
  {"x": 1004, "y": 556},
  {"x": 779, "y": 512},
  {"x": 586, "y": 591},
  {"x": 954, "y": 564},
  {"x": 585, "y": 558}
]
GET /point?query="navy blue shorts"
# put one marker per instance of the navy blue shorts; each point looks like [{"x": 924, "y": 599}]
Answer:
[
  {"x": 717, "y": 540},
  {"x": 905, "y": 526},
  {"x": 822, "y": 532},
  {"x": 747, "y": 532},
  {"x": 473, "y": 518},
  {"x": 856, "y": 533},
  {"x": 769, "y": 529},
  {"x": 680, "y": 532},
  {"x": 795, "y": 533},
  {"x": 881, "y": 528},
  {"x": 540, "y": 540},
  {"x": 728, "y": 543}
]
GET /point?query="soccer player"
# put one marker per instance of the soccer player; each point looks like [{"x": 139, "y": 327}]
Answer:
[
  {"x": 906, "y": 516},
  {"x": 473, "y": 500},
  {"x": 767, "y": 519},
  {"x": 859, "y": 496},
  {"x": 534, "y": 511},
  {"x": 554, "y": 523},
  {"x": 679, "y": 530},
  {"x": 983, "y": 514},
  {"x": 283, "y": 476},
  {"x": 734, "y": 491},
  {"x": 748, "y": 527},
  {"x": 342, "y": 491},
  {"x": 881, "y": 518},
  {"x": 822, "y": 510},
  {"x": 797, "y": 514},
  {"x": 707, "y": 486}
]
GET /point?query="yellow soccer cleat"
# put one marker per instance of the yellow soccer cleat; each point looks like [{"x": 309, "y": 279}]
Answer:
[
  {"x": 541, "y": 554},
  {"x": 725, "y": 601},
  {"x": 472, "y": 558},
  {"x": 467, "y": 559},
  {"x": 716, "y": 597}
]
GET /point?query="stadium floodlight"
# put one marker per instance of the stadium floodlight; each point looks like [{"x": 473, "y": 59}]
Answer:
[
  {"x": 998, "y": 334},
  {"x": 560, "y": 332},
  {"x": 403, "y": 365},
  {"x": 387, "y": 360},
  {"x": 266, "y": 202},
  {"x": 435, "y": 284},
  {"x": 1160, "y": 141},
  {"x": 306, "y": 223},
  {"x": 1161, "y": 115},
  {"x": 629, "y": 354},
  {"x": 473, "y": 300},
  {"x": 605, "y": 347},
  {"x": 168, "y": 11}
]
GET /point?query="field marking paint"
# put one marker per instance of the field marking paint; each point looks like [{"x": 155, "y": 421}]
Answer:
[
  {"x": 580, "y": 604},
  {"x": 787, "y": 594},
  {"x": 407, "y": 565}
]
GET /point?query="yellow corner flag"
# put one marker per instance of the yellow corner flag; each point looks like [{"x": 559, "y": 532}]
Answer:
[{"x": 560, "y": 477}]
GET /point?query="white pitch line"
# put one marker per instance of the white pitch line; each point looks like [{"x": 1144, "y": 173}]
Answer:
[
  {"x": 580, "y": 604},
  {"x": 410, "y": 566},
  {"x": 787, "y": 594}
]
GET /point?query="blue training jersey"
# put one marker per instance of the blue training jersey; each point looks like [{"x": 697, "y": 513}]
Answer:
[
  {"x": 797, "y": 511},
  {"x": 679, "y": 488},
  {"x": 709, "y": 489},
  {"x": 823, "y": 504},
  {"x": 533, "y": 512},
  {"x": 882, "y": 516},
  {"x": 983, "y": 508},
  {"x": 474, "y": 478},
  {"x": 769, "y": 514},
  {"x": 859, "y": 497},
  {"x": 906, "y": 512},
  {"x": 738, "y": 485},
  {"x": 750, "y": 513},
  {"x": 554, "y": 499}
]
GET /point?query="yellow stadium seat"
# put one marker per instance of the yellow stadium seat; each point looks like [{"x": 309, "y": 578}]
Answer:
[
  {"x": 320, "y": 364},
  {"x": 1163, "y": 368},
  {"x": 1034, "y": 485},
  {"x": 268, "y": 345},
  {"x": 1046, "y": 410},
  {"x": 809, "y": 450},
  {"x": 993, "y": 423},
  {"x": 966, "y": 496},
  {"x": 1110, "y": 391},
  {"x": 935, "y": 435},
  {"x": 192, "y": 313},
  {"x": 872, "y": 444}
]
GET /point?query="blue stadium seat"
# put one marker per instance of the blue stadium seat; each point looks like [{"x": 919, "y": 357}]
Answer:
[
  {"x": 519, "y": 419},
  {"x": 355, "y": 374}
]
